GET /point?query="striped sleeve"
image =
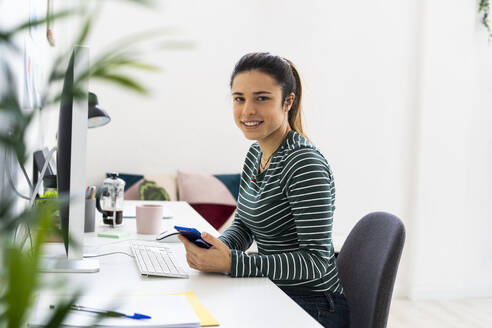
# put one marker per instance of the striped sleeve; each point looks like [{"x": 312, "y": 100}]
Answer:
[
  {"x": 308, "y": 185},
  {"x": 237, "y": 235}
]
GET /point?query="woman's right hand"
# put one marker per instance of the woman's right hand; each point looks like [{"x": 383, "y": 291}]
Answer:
[{"x": 214, "y": 259}]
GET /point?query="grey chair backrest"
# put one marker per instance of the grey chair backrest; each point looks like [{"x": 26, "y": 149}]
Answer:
[{"x": 367, "y": 266}]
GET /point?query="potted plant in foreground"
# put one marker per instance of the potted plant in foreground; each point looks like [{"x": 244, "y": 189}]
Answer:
[{"x": 20, "y": 253}]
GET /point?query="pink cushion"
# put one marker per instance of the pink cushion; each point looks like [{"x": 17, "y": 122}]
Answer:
[
  {"x": 207, "y": 195},
  {"x": 195, "y": 187},
  {"x": 132, "y": 193}
]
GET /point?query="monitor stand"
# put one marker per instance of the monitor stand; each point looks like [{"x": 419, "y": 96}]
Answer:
[{"x": 62, "y": 264}]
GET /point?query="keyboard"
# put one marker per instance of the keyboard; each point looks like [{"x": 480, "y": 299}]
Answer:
[{"x": 154, "y": 259}]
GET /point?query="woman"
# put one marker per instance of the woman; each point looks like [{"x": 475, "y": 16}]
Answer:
[{"x": 286, "y": 197}]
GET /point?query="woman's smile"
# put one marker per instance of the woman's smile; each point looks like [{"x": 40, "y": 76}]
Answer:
[{"x": 251, "y": 125}]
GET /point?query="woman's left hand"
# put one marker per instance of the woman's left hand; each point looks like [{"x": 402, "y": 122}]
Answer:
[{"x": 215, "y": 259}]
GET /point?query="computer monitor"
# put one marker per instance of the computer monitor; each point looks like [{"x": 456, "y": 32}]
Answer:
[{"x": 71, "y": 166}]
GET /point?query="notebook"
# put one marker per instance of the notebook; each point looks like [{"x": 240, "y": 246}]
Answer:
[{"x": 170, "y": 311}]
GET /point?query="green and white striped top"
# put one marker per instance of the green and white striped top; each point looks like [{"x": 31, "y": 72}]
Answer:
[{"x": 288, "y": 211}]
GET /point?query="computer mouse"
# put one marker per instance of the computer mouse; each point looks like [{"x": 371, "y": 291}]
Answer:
[{"x": 168, "y": 236}]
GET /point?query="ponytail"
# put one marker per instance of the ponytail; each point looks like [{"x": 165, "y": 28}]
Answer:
[
  {"x": 286, "y": 75},
  {"x": 295, "y": 112}
]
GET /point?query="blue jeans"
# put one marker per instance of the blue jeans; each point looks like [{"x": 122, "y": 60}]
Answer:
[{"x": 329, "y": 309}]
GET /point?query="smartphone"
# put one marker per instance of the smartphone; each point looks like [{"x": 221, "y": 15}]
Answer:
[{"x": 193, "y": 235}]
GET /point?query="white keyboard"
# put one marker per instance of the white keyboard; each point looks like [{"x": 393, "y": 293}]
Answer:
[{"x": 156, "y": 260}]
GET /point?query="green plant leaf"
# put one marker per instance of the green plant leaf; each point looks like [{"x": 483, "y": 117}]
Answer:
[
  {"x": 148, "y": 3},
  {"x": 84, "y": 33},
  {"x": 123, "y": 44},
  {"x": 124, "y": 81},
  {"x": 484, "y": 8},
  {"x": 21, "y": 267},
  {"x": 176, "y": 45},
  {"x": 127, "y": 62},
  {"x": 61, "y": 310}
]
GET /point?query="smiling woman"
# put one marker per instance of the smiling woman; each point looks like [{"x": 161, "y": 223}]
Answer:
[{"x": 286, "y": 197}]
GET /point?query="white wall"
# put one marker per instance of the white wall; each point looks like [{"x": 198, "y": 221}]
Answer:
[
  {"x": 356, "y": 75},
  {"x": 396, "y": 95},
  {"x": 452, "y": 219},
  {"x": 388, "y": 90},
  {"x": 32, "y": 57},
  {"x": 357, "y": 64}
]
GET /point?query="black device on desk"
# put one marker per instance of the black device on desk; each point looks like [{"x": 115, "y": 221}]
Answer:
[
  {"x": 193, "y": 235},
  {"x": 39, "y": 160}
]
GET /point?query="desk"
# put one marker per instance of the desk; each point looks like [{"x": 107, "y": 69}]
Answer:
[{"x": 234, "y": 302}]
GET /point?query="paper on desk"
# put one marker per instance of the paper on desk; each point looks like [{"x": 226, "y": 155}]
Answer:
[
  {"x": 171, "y": 311},
  {"x": 206, "y": 319},
  {"x": 113, "y": 233}
]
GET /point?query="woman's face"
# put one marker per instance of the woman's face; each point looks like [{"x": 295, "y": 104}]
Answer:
[{"x": 259, "y": 110}]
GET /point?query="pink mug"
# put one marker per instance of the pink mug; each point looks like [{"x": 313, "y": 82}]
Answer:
[{"x": 149, "y": 219}]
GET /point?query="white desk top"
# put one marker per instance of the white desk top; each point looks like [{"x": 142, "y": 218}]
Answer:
[{"x": 234, "y": 302}]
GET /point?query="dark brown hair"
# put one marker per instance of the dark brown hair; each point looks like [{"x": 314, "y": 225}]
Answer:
[{"x": 286, "y": 75}]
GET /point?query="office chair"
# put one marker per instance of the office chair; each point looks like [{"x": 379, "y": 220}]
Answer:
[{"x": 367, "y": 266}]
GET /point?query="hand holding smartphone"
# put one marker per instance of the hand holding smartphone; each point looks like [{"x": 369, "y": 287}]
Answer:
[{"x": 193, "y": 235}]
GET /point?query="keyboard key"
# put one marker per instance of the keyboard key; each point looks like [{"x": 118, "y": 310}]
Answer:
[
  {"x": 153, "y": 259},
  {"x": 146, "y": 259},
  {"x": 162, "y": 263},
  {"x": 170, "y": 264}
]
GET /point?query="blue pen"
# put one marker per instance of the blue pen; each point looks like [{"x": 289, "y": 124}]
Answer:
[{"x": 76, "y": 307}]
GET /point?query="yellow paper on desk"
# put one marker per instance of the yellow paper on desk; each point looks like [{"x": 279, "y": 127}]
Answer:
[{"x": 206, "y": 319}]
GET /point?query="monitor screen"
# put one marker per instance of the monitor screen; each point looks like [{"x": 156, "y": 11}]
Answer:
[{"x": 71, "y": 154}]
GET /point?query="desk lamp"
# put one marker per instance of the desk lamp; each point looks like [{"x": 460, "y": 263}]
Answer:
[{"x": 97, "y": 116}]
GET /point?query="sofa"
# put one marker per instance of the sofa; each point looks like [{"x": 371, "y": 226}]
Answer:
[{"x": 212, "y": 196}]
